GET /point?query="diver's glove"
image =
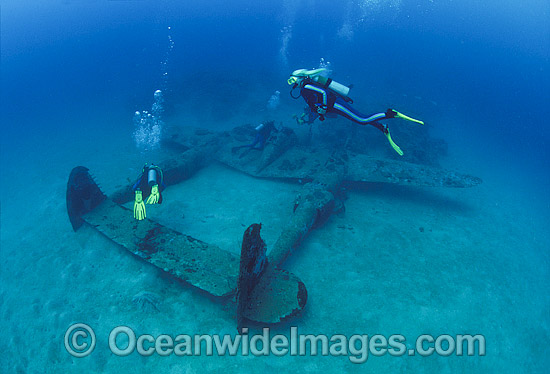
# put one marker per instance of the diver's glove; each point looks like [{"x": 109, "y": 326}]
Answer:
[
  {"x": 139, "y": 206},
  {"x": 154, "y": 196},
  {"x": 321, "y": 109},
  {"x": 390, "y": 113},
  {"x": 300, "y": 119},
  {"x": 394, "y": 146}
]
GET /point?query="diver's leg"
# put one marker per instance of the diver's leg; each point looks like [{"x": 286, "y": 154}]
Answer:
[
  {"x": 258, "y": 140},
  {"x": 380, "y": 126},
  {"x": 234, "y": 149},
  {"x": 251, "y": 145},
  {"x": 386, "y": 131},
  {"x": 261, "y": 145},
  {"x": 344, "y": 109}
]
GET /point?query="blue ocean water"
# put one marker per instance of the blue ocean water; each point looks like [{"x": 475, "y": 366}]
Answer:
[{"x": 74, "y": 72}]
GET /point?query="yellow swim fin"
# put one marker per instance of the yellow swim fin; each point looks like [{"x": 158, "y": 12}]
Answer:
[
  {"x": 394, "y": 146},
  {"x": 139, "y": 206},
  {"x": 401, "y": 115},
  {"x": 154, "y": 197}
]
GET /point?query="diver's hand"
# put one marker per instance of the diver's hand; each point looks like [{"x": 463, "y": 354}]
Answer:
[{"x": 321, "y": 109}]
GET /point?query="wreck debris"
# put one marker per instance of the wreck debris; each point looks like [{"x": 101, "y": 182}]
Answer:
[{"x": 266, "y": 293}]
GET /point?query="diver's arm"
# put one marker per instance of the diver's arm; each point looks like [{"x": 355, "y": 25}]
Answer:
[
  {"x": 314, "y": 96},
  {"x": 317, "y": 99}
]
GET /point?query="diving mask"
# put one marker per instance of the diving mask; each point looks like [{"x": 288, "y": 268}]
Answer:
[
  {"x": 292, "y": 80},
  {"x": 299, "y": 74}
]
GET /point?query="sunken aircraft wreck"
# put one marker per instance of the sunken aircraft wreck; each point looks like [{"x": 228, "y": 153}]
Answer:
[{"x": 264, "y": 292}]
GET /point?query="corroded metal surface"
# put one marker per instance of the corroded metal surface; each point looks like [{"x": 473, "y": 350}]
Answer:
[
  {"x": 312, "y": 206},
  {"x": 284, "y": 159},
  {"x": 265, "y": 296},
  {"x": 301, "y": 163},
  {"x": 175, "y": 170},
  {"x": 200, "y": 264},
  {"x": 252, "y": 265},
  {"x": 276, "y": 294},
  {"x": 362, "y": 168}
]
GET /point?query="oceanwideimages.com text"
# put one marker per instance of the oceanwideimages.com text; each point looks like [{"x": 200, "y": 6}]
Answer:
[{"x": 80, "y": 341}]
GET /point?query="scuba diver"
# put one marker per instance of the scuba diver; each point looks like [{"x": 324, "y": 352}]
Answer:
[
  {"x": 149, "y": 184},
  {"x": 327, "y": 98},
  {"x": 263, "y": 131}
]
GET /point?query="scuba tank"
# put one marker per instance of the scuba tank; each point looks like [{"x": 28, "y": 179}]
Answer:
[
  {"x": 152, "y": 177},
  {"x": 339, "y": 88},
  {"x": 316, "y": 76}
]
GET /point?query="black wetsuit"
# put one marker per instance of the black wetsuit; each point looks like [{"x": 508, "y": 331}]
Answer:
[
  {"x": 261, "y": 137},
  {"x": 144, "y": 186},
  {"x": 324, "y": 102}
]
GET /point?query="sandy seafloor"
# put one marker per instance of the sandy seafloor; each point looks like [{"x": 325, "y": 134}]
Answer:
[{"x": 400, "y": 260}]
